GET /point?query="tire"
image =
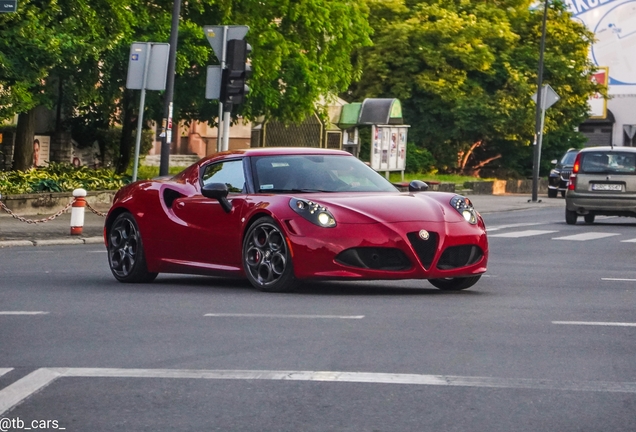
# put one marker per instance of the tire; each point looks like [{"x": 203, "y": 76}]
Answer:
[
  {"x": 266, "y": 257},
  {"x": 552, "y": 193},
  {"x": 454, "y": 284},
  {"x": 126, "y": 256},
  {"x": 562, "y": 194},
  {"x": 589, "y": 218},
  {"x": 570, "y": 217}
]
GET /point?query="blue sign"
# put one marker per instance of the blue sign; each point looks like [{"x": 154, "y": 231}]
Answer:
[{"x": 8, "y": 5}]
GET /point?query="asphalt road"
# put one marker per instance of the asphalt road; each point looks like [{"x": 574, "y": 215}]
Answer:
[{"x": 543, "y": 342}]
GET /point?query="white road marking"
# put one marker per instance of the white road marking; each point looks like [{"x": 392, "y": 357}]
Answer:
[
  {"x": 592, "y": 323},
  {"x": 23, "y": 313},
  {"x": 619, "y": 279},
  {"x": 21, "y": 389},
  {"x": 527, "y": 233},
  {"x": 284, "y": 316},
  {"x": 629, "y": 241},
  {"x": 5, "y": 371},
  {"x": 517, "y": 225},
  {"x": 586, "y": 236}
]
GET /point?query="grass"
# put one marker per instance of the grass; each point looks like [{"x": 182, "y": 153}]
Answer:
[
  {"x": 396, "y": 177},
  {"x": 148, "y": 172}
]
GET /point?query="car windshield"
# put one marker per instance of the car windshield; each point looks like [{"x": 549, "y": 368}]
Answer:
[
  {"x": 604, "y": 162},
  {"x": 316, "y": 173},
  {"x": 568, "y": 158}
]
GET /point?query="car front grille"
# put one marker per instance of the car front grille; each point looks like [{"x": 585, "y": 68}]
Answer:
[
  {"x": 565, "y": 175},
  {"x": 425, "y": 249},
  {"x": 374, "y": 258},
  {"x": 459, "y": 256}
]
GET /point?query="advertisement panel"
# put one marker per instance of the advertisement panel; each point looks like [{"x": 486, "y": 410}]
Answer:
[
  {"x": 388, "y": 151},
  {"x": 597, "y": 103},
  {"x": 614, "y": 25},
  {"x": 41, "y": 150}
]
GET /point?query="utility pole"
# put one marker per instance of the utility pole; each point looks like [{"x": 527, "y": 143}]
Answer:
[
  {"x": 538, "y": 130},
  {"x": 166, "y": 123}
]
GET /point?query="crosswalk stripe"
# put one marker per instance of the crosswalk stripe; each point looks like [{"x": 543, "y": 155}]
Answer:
[
  {"x": 517, "y": 225},
  {"x": 526, "y": 233},
  {"x": 586, "y": 236}
]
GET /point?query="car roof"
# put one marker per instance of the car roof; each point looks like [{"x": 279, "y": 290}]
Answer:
[
  {"x": 609, "y": 149},
  {"x": 276, "y": 151}
]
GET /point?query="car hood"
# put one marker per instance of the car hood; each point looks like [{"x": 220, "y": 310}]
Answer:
[{"x": 388, "y": 208}]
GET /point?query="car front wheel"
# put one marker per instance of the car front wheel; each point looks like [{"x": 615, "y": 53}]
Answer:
[
  {"x": 126, "y": 255},
  {"x": 570, "y": 217},
  {"x": 454, "y": 284},
  {"x": 266, "y": 257}
]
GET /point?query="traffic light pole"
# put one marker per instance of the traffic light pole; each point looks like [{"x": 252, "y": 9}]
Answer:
[{"x": 221, "y": 129}]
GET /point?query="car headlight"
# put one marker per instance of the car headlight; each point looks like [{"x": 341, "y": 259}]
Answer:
[
  {"x": 313, "y": 212},
  {"x": 465, "y": 208}
]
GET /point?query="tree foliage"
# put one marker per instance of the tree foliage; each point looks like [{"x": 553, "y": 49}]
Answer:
[
  {"x": 73, "y": 55},
  {"x": 465, "y": 71}
]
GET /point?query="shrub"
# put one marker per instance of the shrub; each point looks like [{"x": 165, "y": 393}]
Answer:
[{"x": 418, "y": 159}]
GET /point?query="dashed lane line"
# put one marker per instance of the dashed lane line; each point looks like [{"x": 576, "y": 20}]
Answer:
[
  {"x": 596, "y": 323},
  {"x": 23, "y": 313},
  {"x": 618, "y": 279},
  {"x": 37, "y": 380},
  {"x": 5, "y": 371},
  {"x": 245, "y": 315}
]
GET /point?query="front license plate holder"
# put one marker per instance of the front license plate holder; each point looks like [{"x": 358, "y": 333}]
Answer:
[{"x": 612, "y": 187}]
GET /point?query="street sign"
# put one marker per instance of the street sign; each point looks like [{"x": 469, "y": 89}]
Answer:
[
  {"x": 8, "y": 5},
  {"x": 630, "y": 130},
  {"x": 214, "y": 34},
  {"x": 548, "y": 98},
  {"x": 213, "y": 82},
  {"x": 157, "y": 65}
]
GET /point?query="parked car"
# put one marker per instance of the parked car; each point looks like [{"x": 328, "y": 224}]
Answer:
[
  {"x": 603, "y": 182},
  {"x": 278, "y": 216},
  {"x": 560, "y": 175}
]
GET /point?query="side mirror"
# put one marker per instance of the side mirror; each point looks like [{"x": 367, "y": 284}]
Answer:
[
  {"x": 218, "y": 191},
  {"x": 417, "y": 186}
]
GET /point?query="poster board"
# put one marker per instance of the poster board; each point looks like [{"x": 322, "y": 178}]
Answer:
[
  {"x": 41, "y": 150},
  {"x": 388, "y": 147}
]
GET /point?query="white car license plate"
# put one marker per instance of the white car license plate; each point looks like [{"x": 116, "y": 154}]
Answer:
[{"x": 606, "y": 187}]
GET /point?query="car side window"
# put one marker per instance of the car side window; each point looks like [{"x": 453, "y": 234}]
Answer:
[{"x": 229, "y": 172}]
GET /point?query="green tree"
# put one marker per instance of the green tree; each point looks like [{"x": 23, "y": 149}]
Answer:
[{"x": 465, "y": 72}]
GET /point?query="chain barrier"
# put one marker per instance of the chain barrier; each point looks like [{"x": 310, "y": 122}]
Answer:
[
  {"x": 47, "y": 219},
  {"x": 31, "y": 221},
  {"x": 98, "y": 213}
]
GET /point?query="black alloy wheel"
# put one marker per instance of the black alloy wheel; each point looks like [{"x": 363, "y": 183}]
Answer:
[
  {"x": 454, "y": 284},
  {"x": 126, "y": 253},
  {"x": 266, "y": 257}
]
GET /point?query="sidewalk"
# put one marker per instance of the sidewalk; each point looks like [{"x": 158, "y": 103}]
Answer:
[{"x": 16, "y": 233}]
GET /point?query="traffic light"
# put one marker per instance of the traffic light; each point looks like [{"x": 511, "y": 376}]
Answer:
[{"x": 236, "y": 72}]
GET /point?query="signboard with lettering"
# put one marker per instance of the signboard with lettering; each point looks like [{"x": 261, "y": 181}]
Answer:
[
  {"x": 8, "y": 5},
  {"x": 597, "y": 103},
  {"x": 614, "y": 25}
]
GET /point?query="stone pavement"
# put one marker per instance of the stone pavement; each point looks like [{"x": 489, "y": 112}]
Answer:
[{"x": 16, "y": 233}]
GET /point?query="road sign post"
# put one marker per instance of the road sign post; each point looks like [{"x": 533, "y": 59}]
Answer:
[{"x": 147, "y": 67}]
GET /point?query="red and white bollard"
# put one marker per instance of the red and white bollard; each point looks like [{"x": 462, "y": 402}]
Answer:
[{"x": 77, "y": 212}]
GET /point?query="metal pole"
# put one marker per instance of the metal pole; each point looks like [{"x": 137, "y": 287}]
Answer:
[
  {"x": 140, "y": 117},
  {"x": 219, "y": 126},
  {"x": 226, "y": 127},
  {"x": 538, "y": 124},
  {"x": 167, "y": 109}
]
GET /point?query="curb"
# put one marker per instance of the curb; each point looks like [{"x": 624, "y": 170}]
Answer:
[{"x": 52, "y": 242}]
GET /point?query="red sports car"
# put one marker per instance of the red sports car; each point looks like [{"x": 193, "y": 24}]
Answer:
[{"x": 282, "y": 215}]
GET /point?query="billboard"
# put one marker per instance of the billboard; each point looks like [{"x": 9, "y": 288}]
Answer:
[{"x": 614, "y": 25}]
